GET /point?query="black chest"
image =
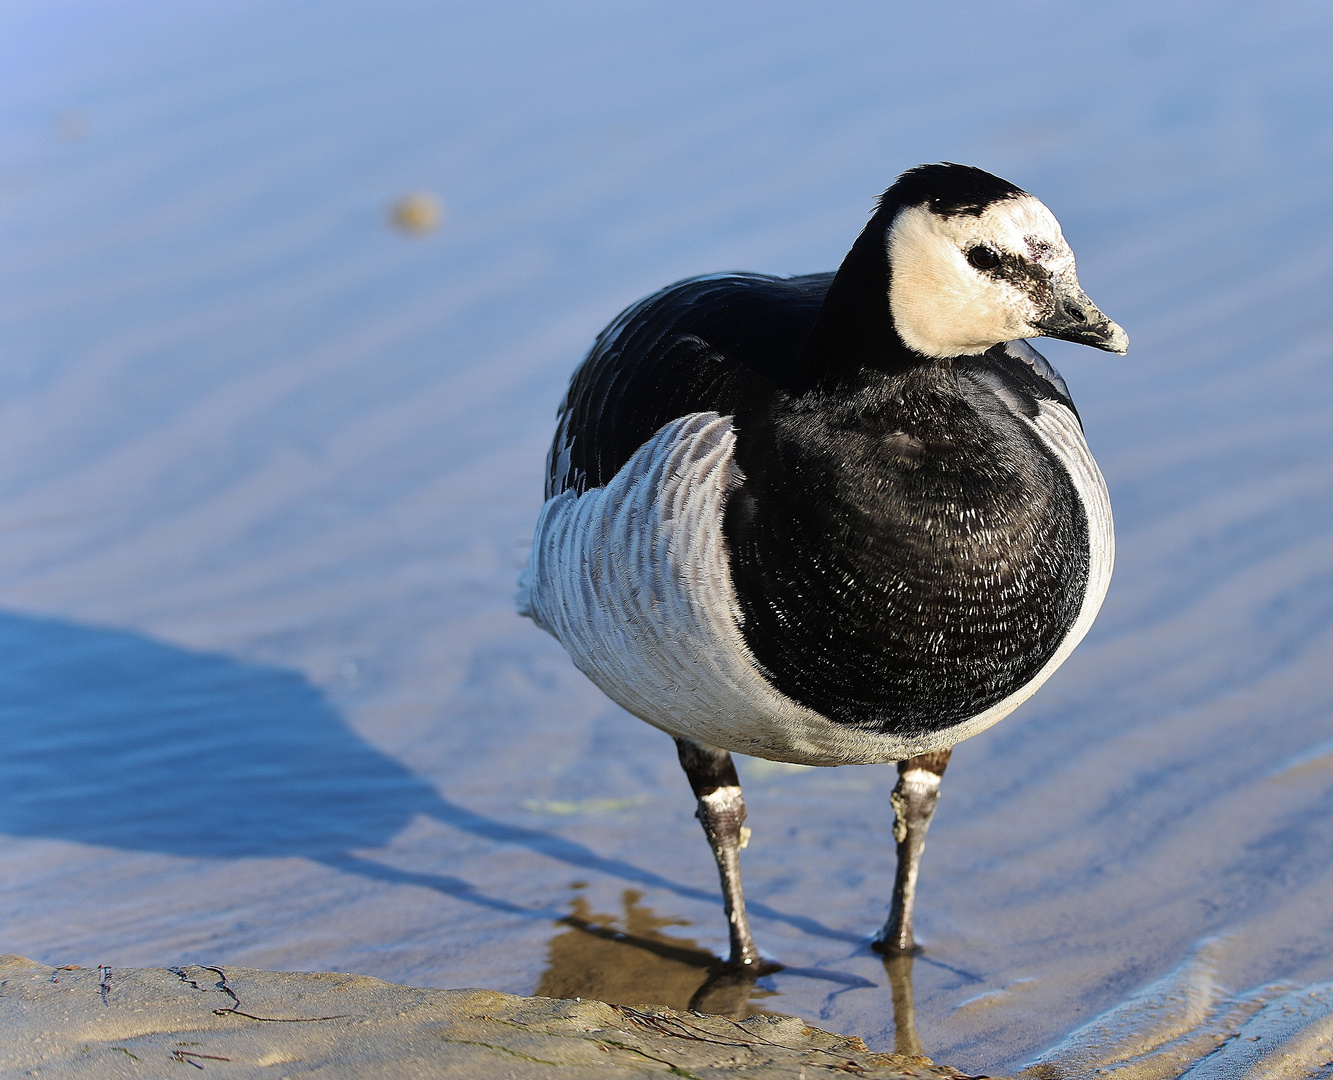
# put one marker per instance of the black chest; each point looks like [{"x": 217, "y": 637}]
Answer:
[{"x": 907, "y": 552}]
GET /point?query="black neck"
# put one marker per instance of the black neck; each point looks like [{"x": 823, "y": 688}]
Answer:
[{"x": 854, "y": 330}]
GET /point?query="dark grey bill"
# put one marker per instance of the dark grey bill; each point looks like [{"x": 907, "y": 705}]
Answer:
[{"x": 1076, "y": 318}]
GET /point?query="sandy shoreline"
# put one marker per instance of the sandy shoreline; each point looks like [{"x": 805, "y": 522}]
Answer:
[{"x": 242, "y": 1022}]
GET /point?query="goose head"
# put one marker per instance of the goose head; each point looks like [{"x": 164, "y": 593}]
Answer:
[{"x": 975, "y": 261}]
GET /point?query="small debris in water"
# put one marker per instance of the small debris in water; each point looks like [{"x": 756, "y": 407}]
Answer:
[{"x": 419, "y": 212}]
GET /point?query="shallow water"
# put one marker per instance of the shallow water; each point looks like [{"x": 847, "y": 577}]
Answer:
[{"x": 268, "y": 469}]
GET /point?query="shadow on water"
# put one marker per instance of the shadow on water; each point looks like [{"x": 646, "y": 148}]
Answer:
[
  {"x": 112, "y": 739},
  {"x": 629, "y": 961}
]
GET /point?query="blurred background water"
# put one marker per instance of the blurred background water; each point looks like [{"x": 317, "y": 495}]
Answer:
[{"x": 271, "y": 447}]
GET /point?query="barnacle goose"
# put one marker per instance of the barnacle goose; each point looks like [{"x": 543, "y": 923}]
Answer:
[{"x": 834, "y": 519}]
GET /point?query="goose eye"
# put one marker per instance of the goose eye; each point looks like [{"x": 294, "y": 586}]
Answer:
[{"x": 983, "y": 258}]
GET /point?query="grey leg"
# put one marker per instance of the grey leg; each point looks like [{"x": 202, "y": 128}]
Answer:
[
  {"x": 721, "y": 811},
  {"x": 914, "y": 802}
]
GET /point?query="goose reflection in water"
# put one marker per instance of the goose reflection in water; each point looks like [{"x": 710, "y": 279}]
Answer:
[
  {"x": 628, "y": 960},
  {"x": 898, "y": 967}
]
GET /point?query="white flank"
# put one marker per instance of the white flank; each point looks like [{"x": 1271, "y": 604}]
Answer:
[{"x": 633, "y": 579}]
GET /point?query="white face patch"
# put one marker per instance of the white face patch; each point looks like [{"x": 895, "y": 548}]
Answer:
[{"x": 943, "y": 305}]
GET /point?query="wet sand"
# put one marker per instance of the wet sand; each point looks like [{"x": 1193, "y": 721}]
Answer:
[
  {"x": 239, "y": 1022},
  {"x": 106, "y": 1021}
]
